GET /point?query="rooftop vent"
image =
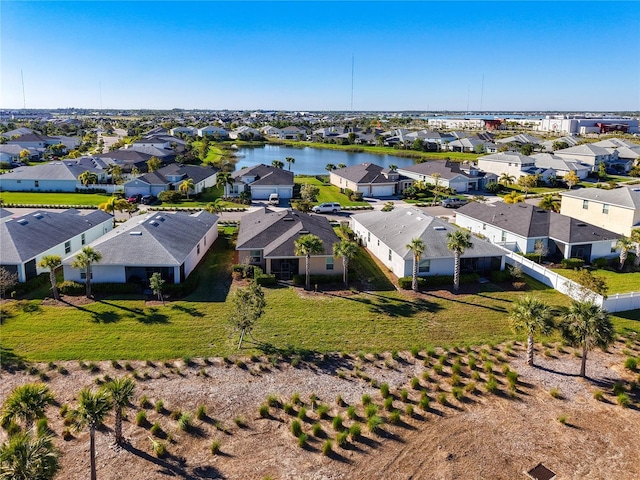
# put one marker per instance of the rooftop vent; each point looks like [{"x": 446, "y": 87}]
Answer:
[
  {"x": 38, "y": 215},
  {"x": 581, "y": 224},
  {"x": 303, "y": 232},
  {"x": 439, "y": 229},
  {"x": 154, "y": 223},
  {"x": 22, "y": 221},
  {"x": 160, "y": 217},
  {"x": 287, "y": 219},
  {"x": 135, "y": 234}
]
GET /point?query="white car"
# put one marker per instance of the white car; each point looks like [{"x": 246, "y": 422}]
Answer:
[{"x": 329, "y": 207}]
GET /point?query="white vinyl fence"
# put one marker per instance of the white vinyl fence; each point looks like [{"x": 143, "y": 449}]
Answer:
[{"x": 618, "y": 302}]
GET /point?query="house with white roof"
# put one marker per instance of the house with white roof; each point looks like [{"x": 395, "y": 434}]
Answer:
[
  {"x": 512, "y": 163},
  {"x": 244, "y": 133},
  {"x": 617, "y": 210},
  {"x": 212, "y": 130},
  {"x": 588, "y": 154},
  {"x": 292, "y": 133},
  {"x": 170, "y": 243},
  {"x": 60, "y": 176},
  {"x": 387, "y": 234},
  {"x": 25, "y": 239},
  {"x": 519, "y": 226},
  {"x": 560, "y": 166}
]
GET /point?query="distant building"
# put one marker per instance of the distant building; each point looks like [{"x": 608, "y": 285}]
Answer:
[{"x": 579, "y": 125}]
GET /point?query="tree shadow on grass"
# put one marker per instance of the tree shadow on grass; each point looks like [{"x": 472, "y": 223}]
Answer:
[
  {"x": 135, "y": 311},
  {"x": 398, "y": 307},
  {"x": 109, "y": 316},
  {"x": 194, "y": 312},
  {"x": 154, "y": 317},
  {"x": 458, "y": 300},
  {"x": 175, "y": 467},
  {"x": 11, "y": 361}
]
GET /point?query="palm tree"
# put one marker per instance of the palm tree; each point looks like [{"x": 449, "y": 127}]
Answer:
[
  {"x": 341, "y": 165},
  {"x": 223, "y": 180},
  {"x": 393, "y": 167},
  {"x": 571, "y": 179},
  {"x": 436, "y": 187},
  {"x": 507, "y": 179},
  {"x": 121, "y": 391},
  {"x": 84, "y": 260},
  {"x": 289, "y": 161},
  {"x": 330, "y": 167},
  {"x": 24, "y": 458},
  {"x": 26, "y": 402},
  {"x": 307, "y": 245},
  {"x": 110, "y": 205},
  {"x": 513, "y": 197},
  {"x": 548, "y": 202},
  {"x": 92, "y": 410},
  {"x": 345, "y": 249},
  {"x": 458, "y": 242},
  {"x": 186, "y": 186},
  {"x": 417, "y": 247},
  {"x": 215, "y": 206},
  {"x": 277, "y": 164},
  {"x": 531, "y": 316},
  {"x": 88, "y": 178},
  {"x": 624, "y": 244},
  {"x": 52, "y": 262},
  {"x": 587, "y": 325},
  {"x": 635, "y": 238}
]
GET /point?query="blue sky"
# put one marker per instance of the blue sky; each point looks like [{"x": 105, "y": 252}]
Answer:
[{"x": 298, "y": 55}]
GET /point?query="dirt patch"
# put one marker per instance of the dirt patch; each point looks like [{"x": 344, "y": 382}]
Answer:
[
  {"x": 480, "y": 435},
  {"x": 67, "y": 300}
]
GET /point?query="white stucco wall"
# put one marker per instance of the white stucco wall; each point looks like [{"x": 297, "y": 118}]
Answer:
[
  {"x": 14, "y": 185},
  {"x": 192, "y": 260}
]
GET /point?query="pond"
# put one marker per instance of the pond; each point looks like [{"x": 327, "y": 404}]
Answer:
[{"x": 312, "y": 161}]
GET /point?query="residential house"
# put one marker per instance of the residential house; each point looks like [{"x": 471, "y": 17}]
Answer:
[
  {"x": 261, "y": 180},
  {"x": 519, "y": 226},
  {"x": 588, "y": 154},
  {"x": 170, "y": 243},
  {"x": 460, "y": 177},
  {"x": 170, "y": 178},
  {"x": 560, "y": 166},
  {"x": 11, "y": 153},
  {"x": 549, "y": 144},
  {"x": 520, "y": 139},
  {"x": 212, "y": 130},
  {"x": 60, "y": 176},
  {"x": 245, "y": 133},
  {"x": 292, "y": 133},
  {"x": 128, "y": 159},
  {"x": 267, "y": 238},
  {"x": 370, "y": 179},
  {"x": 511, "y": 163},
  {"x": 190, "y": 131},
  {"x": 617, "y": 210},
  {"x": 33, "y": 140},
  {"x": 25, "y": 239},
  {"x": 471, "y": 145},
  {"x": 270, "y": 131},
  {"x": 387, "y": 234},
  {"x": 17, "y": 132}
]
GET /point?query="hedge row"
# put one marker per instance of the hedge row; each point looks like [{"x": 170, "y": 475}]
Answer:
[
  {"x": 572, "y": 263},
  {"x": 30, "y": 285},
  {"x": 438, "y": 280}
]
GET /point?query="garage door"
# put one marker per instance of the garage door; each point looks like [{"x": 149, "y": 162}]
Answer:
[
  {"x": 383, "y": 191},
  {"x": 262, "y": 193}
]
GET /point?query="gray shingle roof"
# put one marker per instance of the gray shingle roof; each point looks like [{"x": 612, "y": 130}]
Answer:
[
  {"x": 507, "y": 157},
  {"x": 194, "y": 172},
  {"x": 154, "y": 239},
  {"x": 530, "y": 221},
  {"x": 265, "y": 175},
  {"x": 398, "y": 227},
  {"x": 48, "y": 171},
  {"x": 364, "y": 173},
  {"x": 587, "y": 149},
  {"x": 446, "y": 169},
  {"x": 27, "y": 236},
  {"x": 626, "y": 197},
  {"x": 276, "y": 232}
]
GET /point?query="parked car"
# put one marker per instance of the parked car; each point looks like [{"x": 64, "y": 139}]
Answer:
[
  {"x": 148, "y": 199},
  {"x": 453, "y": 202},
  {"x": 328, "y": 207},
  {"x": 134, "y": 198},
  {"x": 274, "y": 199}
]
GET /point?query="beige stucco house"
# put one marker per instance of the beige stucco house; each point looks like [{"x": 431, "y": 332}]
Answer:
[{"x": 617, "y": 210}]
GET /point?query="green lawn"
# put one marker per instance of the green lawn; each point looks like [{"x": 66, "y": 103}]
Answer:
[
  {"x": 328, "y": 193},
  {"x": 618, "y": 282},
  {"x": 375, "y": 318},
  {"x": 38, "y": 198},
  {"x": 201, "y": 201}
]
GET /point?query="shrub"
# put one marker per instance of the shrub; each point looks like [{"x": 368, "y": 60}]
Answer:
[
  {"x": 618, "y": 388},
  {"x": 302, "y": 440},
  {"x": 316, "y": 429},
  {"x": 351, "y": 412},
  {"x": 374, "y": 423},
  {"x": 572, "y": 263},
  {"x": 384, "y": 390},
  {"x": 555, "y": 392},
  {"x": 457, "y": 393},
  {"x": 141, "y": 418},
  {"x": 492, "y": 385},
  {"x": 404, "y": 394},
  {"x": 623, "y": 400},
  {"x": 296, "y": 428},
  {"x": 600, "y": 262},
  {"x": 366, "y": 399},
  {"x": 327, "y": 447},
  {"x": 322, "y": 411},
  {"x": 562, "y": 419},
  {"x": 185, "y": 422},
  {"x": 273, "y": 401},
  {"x": 159, "y": 448},
  {"x": 175, "y": 414},
  {"x": 156, "y": 429},
  {"x": 371, "y": 410},
  {"x": 288, "y": 409},
  {"x": 394, "y": 417},
  {"x": 355, "y": 430},
  {"x": 501, "y": 276},
  {"x": 158, "y": 407},
  {"x": 302, "y": 413},
  {"x": 337, "y": 423},
  {"x": 42, "y": 427},
  {"x": 215, "y": 447},
  {"x": 71, "y": 288},
  {"x": 201, "y": 413},
  {"x": 631, "y": 363},
  {"x": 598, "y": 395},
  {"x": 295, "y": 399},
  {"x": 409, "y": 410},
  {"x": 264, "y": 411},
  {"x": 388, "y": 404},
  {"x": 424, "y": 401}
]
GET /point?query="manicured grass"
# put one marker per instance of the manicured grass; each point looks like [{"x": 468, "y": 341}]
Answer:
[
  {"x": 208, "y": 195},
  {"x": 38, "y": 198},
  {"x": 618, "y": 282},
  {"x": 378, "y": 318},
  {"x": 328, "y": 193}
]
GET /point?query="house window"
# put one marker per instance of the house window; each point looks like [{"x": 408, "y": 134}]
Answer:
[
  {"x": 83, "y": 274},
  {"x": 484, "y": 226},
  {"x": 18, "y": 181},
  {"x": 67, "y": 247},
  {"x": 205, "y": 241},
  {"x": 605, "y": 208},
  {"x": 82, "y": 239},
  {"x": 198, "y": 249},
  {"x": 585, "y": 204},
  {"x": 36, "y": 183},
  {"x": 504, "y": 236},
  {"x": 378, "y": 242},
  {"x": 368, "y": 236},
  {"x": 424, "y": 266},
  {"x": 329, "y": 263},
  {"x": 390, "y": 254},
  {"x": 255, "y": 256}
]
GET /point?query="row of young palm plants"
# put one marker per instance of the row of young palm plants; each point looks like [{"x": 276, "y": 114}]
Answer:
[{"x": 30, "y": 454}]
